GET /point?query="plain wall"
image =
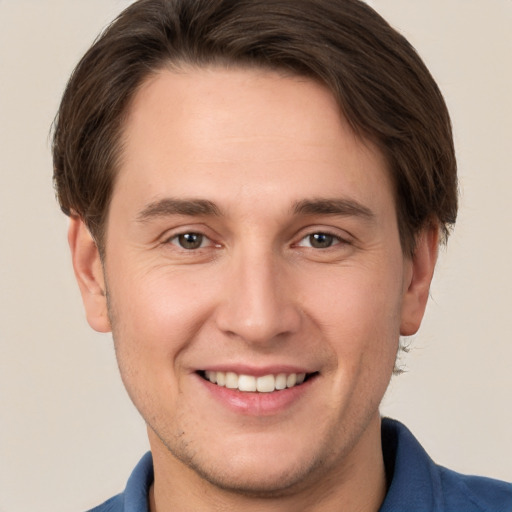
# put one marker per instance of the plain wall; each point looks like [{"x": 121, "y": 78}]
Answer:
[{"x": 69, "y": 436}]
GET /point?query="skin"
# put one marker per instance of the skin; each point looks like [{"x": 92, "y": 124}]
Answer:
[{"x": 258, "y": 292}]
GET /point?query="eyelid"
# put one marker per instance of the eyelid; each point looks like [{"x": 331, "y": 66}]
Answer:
[
  {"x": 342, "y": 237},
  {"x": 173, "y": 234},
  {"x": 174, "y": 240},
  {"x": 337, "y": 241}
]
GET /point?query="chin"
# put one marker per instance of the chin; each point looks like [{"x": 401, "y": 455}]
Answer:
[
  {"x": 261, "y": 467},
  {"x": 261, "y": 480}
]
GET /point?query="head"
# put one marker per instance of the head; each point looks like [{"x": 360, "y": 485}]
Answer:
[
  {"x": 257, "y": 191},
  {"x": 381, "y": 86}
]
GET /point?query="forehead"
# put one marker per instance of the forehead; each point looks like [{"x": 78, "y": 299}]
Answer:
[
  {"x": 214, "y": 132},
  {"x": 206, "y": 104}
]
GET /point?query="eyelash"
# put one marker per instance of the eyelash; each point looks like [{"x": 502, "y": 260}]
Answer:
[
  {"x": 333, "y": 239},
  {"x": 180, "y": 238}
]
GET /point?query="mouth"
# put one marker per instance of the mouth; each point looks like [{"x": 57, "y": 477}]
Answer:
[{"x": 252, "y": 384}]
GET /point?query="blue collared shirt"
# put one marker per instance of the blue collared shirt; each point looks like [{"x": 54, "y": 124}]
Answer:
[{"x": 416, "y": 483}]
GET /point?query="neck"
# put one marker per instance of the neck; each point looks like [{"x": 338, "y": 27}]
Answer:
[{"x": 356, "y": 485}]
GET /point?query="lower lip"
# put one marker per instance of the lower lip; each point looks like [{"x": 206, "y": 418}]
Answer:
[{"x": 258, "y": 404}]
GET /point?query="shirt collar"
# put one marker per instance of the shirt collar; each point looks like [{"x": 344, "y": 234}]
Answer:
[
  {"x": 413, "y": 478},
  {"x": 138, "y": 485}
]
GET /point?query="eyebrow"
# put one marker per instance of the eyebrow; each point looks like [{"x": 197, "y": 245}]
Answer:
[
  {"x": 170, "y": 206},
  {"x": 343, "y": 207},
  {"x": 194, "y": 207}
]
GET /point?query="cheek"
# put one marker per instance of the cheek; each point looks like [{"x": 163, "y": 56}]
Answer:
[
  {"x": 358, "y": 310},
  {"x": 155, "y": 315},
  {"x": 159, "y": 304}
]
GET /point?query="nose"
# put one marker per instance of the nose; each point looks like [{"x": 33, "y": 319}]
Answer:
[{"x": 259, "y": 304}]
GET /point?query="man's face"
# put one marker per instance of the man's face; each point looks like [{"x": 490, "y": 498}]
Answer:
[{"x": 252, "y": 239}]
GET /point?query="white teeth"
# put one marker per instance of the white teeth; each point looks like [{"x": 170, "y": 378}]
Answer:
[
  {"x": 266, "y": 384},
  {"x": 231, "y": 380},
  {"x": 221, "y": 378},
  {"x": 211, "y": 376},
  {"x": 291, "y": 380},
  {"x": 249, "y": 383},
  {"x": 281, "y": 381}
]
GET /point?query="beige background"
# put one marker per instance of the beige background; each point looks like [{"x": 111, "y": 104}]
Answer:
[{"x": 69, "y": 437}]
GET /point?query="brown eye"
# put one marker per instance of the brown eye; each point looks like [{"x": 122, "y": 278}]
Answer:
[
  {"x": 190, "y": 240},
  {"x": 321, "y": 240}
]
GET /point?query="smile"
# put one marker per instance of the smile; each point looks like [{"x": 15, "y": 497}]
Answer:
[{"x": 250, "y": 383}]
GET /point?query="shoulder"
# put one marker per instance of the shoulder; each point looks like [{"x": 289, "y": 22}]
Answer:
[
  {"x": 417, "y": 483},
  {"x": 479, "y": 493},
  {"x": 115, "y": 504},
  {"x": 134, "y": 498}
]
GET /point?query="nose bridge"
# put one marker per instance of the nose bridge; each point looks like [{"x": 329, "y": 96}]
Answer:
[{"x": 257, "y": 305}]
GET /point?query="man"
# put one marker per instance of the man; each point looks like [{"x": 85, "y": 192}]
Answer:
[{"x": 257, "y": 192}]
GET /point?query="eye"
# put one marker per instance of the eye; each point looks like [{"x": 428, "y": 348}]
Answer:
[
  {"x": 189, "y": 241},
  {"x": 319, "y": 240}
]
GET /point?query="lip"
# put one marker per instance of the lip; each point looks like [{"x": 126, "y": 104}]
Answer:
[{"x": 254, "y": 403}]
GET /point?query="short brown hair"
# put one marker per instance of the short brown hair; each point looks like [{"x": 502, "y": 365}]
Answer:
[{"x": 382, "y": 87}]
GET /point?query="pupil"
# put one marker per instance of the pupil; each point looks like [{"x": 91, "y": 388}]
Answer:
[
  {"x": 321, "y": 240},
  {"x": 191, "y": 240}
]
